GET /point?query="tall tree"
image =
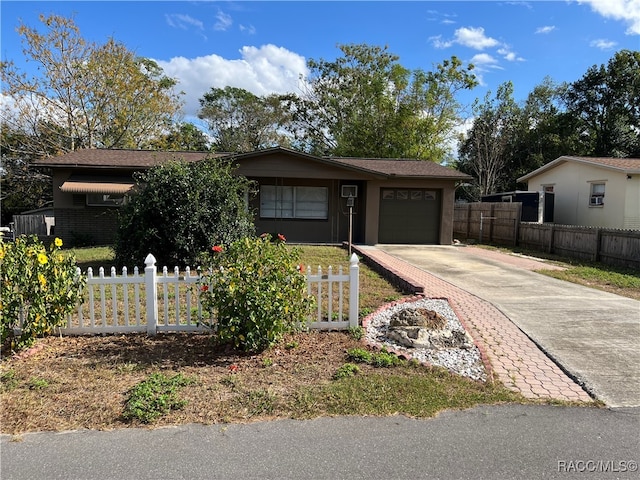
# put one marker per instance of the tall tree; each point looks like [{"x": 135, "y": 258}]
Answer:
[
  {"x": 84, "y": 95},
  {"x": 182, "y": 136},
  {"x": 484, "y": 153},
  {"x": 605, "y": 104},
  {"x": 366, "y": 103},
  {"x": 240, "y": 121}
]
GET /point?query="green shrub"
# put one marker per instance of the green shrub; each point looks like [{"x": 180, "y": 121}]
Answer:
[
  {"x": 359, "y": 355},
  {"x": 37, "y": 284},
  {"x": 345, "y": 371},
  {"x": 154, "y": 397},
  {"x": 385, "y": 359},
  {"x": 357, "y": 333},
  {"x": 180, "y": 209},
  {"x": 254, "y": 292}
]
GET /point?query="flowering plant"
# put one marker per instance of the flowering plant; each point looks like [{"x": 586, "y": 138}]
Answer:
[
  {"x": 39, "y": 287},
  {"x": 255, "y": 292}
]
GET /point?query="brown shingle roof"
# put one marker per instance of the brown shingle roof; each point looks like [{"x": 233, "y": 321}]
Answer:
[
  {"x": 118, "y": 158},
  {"x": 626, "y": 165},
  {"x": 140, "y": 159},
  {"x": 402, "y": 168}
]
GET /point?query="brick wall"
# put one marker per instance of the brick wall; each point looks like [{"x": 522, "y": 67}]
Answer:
[{"x": 88, "y": 226}]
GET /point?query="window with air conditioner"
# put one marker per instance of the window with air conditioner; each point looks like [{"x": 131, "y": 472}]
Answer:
[{"x": 596, "y": 199}]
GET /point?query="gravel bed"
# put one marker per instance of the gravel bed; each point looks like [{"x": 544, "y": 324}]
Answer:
[{"x": 467, "y": 363}]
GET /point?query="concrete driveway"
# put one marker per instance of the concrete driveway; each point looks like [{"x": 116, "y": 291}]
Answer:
[{"x": 593, "y": 335}]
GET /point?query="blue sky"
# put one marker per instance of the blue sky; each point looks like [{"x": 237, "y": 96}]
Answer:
[{"x": 263, "y": 46}]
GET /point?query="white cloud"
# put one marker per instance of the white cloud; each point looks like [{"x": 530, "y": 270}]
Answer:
[
  {"x": 223, "y": 21},
  {"x": 509, "y": 55},
  {"x": 474, "y": 38},
  {"x": 248, "y": 29},
  {"x": 260, "y": 70},
  {"x": 626, "y": 10},
  {"x": 178, "y": 20},
  {"x": 545, "y": 29},
  {"x": 603, "y": 44},
  {"x": 484, "y": 60}
]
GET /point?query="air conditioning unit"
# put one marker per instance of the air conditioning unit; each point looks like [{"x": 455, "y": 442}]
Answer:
[
  {"x": 596, "y": 200},
  {"x": 349, "y": 191}
]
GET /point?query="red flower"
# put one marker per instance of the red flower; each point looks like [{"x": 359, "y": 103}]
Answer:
[
  {"x": 301, "y": 268},
  {"x": 233, "y": 367},
  {"x": 216, "y": 248},
  {"x": 264, "y": 235},
  {"x": 282, "y": 238},
  {"x": 205, "y": 288}
]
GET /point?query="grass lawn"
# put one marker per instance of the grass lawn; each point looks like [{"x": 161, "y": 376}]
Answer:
[{"x": 104, "y": 382}]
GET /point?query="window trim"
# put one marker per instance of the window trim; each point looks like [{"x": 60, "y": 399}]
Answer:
[
  {"x": 596, "y": 199},
  {"x": 296, "y": 199}
]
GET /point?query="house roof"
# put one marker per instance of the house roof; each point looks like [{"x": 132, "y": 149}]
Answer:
[
  {"x": 141, "y": 159},
  {"x": 402, "y": 168},
  {"x": 126, "y": 159},
  {"x": 625, "y": 165}
]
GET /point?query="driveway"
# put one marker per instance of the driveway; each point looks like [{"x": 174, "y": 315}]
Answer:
[{"x": 593, "y": 335}]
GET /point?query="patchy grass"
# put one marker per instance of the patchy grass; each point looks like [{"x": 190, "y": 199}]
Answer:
[
  {"x": 621, "y": 281},
  {"x": 105, "y": 382}
]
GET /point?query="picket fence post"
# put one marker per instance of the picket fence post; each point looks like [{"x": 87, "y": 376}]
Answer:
[
  {"x": 354, "y": 290},
  {"x": 151, "y": 289}
]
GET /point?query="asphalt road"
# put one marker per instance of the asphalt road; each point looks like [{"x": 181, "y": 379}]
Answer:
[{"x": 488, "y": 442}]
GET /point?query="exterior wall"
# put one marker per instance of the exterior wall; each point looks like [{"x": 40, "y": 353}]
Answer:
[
  {"x": 572, "y": 189},
  {"x": 333, "y": 229},
  {"x": 632, "y": 203},
  {"x": 87, "y": 226},
  {"x": 447, "y": 189},
  {"x": 77, "y": 223}
]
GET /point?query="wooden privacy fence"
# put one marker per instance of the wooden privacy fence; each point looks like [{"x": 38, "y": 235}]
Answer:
[
  {"x": 169, "y": 302},
  {"x": 606, "y": 245},
  {"x": 500, "y": 223}
]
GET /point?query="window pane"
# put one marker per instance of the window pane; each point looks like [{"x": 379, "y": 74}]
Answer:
[
  {"x": 311, "y": 202},
  {"x": 597, "y": 189},
  {"x": 276, "y": 202}
]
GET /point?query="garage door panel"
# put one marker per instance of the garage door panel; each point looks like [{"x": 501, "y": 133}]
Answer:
[{"x": 409, "y": 216}]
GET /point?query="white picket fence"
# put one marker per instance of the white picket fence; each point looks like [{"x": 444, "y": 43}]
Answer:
[{"x": 165, "y": 302}]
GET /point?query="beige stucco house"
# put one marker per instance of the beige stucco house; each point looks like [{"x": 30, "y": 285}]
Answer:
[
  {"x": 598, "y": 192},
  {"x": 304, "y": 197}
]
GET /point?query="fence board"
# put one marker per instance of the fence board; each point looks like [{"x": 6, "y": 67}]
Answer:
[
  {"x": 609, "y": 246},
  {"x": 108, "y": 299}
]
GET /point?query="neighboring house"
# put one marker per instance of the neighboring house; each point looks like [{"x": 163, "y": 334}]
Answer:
[
  {"x": 598, "y": 192},
  {"x": 301, "y": 196}
]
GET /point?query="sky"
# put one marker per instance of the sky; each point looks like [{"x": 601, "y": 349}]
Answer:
[{"x": 264, "y": 46}]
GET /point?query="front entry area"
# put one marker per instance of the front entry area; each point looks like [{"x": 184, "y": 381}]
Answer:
[{"x": 410, "y": 216}]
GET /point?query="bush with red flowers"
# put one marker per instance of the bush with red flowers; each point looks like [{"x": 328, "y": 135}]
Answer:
[{"x": 255, "y": 292}]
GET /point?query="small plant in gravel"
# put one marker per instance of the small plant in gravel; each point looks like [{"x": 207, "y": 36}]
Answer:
[
  {"x": 154, "y": 397},
  {"x": 345, "y": 371}
]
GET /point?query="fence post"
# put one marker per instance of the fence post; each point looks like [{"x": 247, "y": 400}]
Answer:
[
  {"x": 354, "y": 290},
  {"x": 151, "y": 289}
]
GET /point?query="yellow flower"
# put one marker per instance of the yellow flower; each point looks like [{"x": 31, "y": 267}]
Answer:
[
  {"x": 57, "y": 242},
  {"x": 42, "y": 259},
  {"x": 42, "y": 280}
]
